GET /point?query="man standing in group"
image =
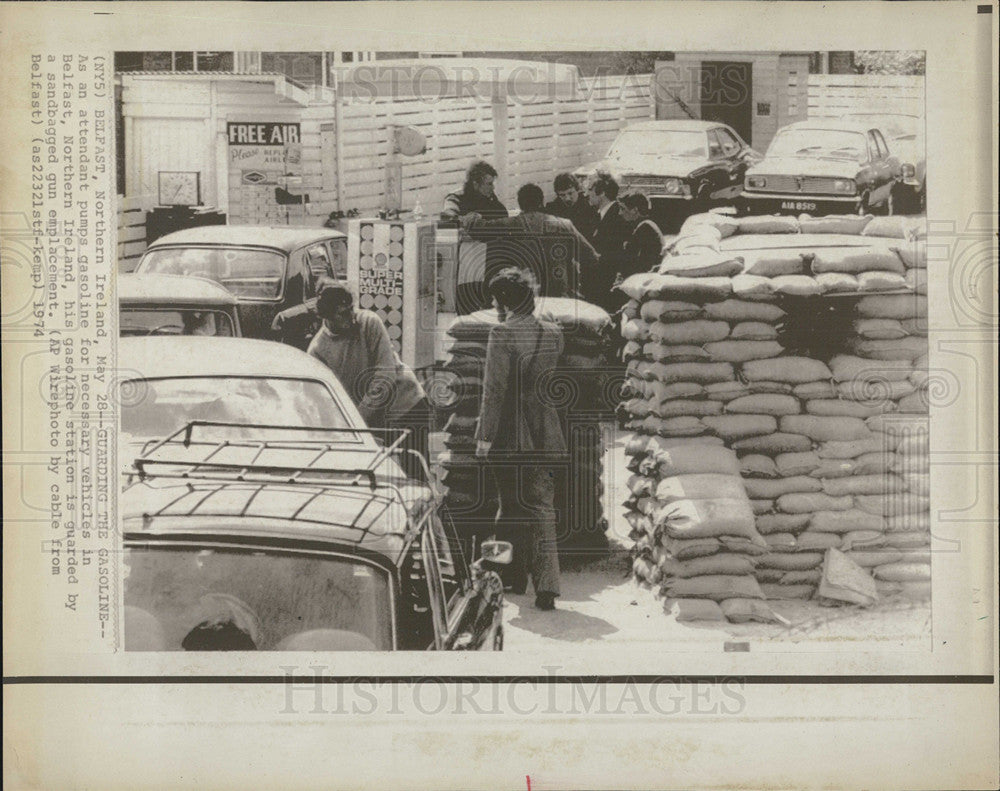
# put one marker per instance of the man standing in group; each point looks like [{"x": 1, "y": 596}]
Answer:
[
  {"x": 571, "y": 204},
  {"x": 521, "y": 435},
  {"x": 551, "y": 248},
  {"x": 355, "y": 345},
  {"x": 608, "y": 240},
  {"x": 644, "y": 247},
  {"x": 477, "y": 196}
]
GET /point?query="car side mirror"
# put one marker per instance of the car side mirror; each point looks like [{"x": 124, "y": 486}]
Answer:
[{"x": 498, "y": 552}]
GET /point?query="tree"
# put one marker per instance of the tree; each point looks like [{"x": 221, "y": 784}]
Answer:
[{"x": 897, "y": 61}]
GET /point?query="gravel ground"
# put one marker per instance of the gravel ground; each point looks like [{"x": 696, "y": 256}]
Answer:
[{"x": 601, "y": 603}]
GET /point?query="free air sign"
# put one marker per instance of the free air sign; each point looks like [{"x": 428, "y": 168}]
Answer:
[{"x": 262, "y": 134}]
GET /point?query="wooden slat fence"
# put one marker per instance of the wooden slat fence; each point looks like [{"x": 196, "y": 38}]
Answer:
[
  {"x": 544, "y": 138},
  {"x": 833, "y": 95}
]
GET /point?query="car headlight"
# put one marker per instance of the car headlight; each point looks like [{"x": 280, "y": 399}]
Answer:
[
  {"x": 756, "y": 182},
  {"x": 844, "y": 185},
  {"x": 673, "y": 187}
]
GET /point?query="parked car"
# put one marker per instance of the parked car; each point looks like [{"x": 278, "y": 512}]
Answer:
[
  {"x": 268, "y": 269},
  {"x": 683, "y": 167},
  {"x": 905, "y": 136},
  {"x": 175, "y": 305},
  {"x": 823, "y": 167},
  {"x": 167, "y": 382},
  {"x": 261, "y": 514}
]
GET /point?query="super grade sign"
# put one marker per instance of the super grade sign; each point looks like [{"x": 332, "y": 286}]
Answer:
[{"x": 266, "y": 134}]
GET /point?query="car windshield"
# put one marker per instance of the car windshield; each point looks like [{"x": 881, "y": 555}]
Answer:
[
  {"x": 245, "y": 272},
  {"x": 162, "y": 321},
  {"x": 897, "y": 127},
  {"x": 156, "y": 408},
  {"x": 832, "y": 143},
  {"x": 193, "y": 598},
  {"x": 661, "y": 142}
]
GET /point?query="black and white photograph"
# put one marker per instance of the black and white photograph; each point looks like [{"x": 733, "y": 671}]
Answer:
[
  {"x": 523, "y": 349},
  {"x": 511, "y": 394}
]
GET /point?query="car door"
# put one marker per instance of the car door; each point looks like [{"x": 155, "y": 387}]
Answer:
[
  {"x": 472, "y": 604},
  {"x": 730, "y": 165}
]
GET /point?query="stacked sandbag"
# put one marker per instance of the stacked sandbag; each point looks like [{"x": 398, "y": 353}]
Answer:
[
  {"x": 576, "y": 388},
  {"x": 814, "y": 414},
  {"x": 693, "y": 529}
]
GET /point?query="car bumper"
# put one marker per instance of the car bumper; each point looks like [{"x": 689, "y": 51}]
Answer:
[{"x": 790, "y": 203}]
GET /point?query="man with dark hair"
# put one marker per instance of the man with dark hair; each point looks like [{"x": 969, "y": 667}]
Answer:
[
  {"x": 571, "y": 204},
  {"x": 478, "y": 195},
  {"x": 521, "y": 435},
  {"x": 548, "y": 247},
  {"x": 476, "y": 200},
  {"x": 644, "y": 247},
  {"x": 355, "y": 345},
  {"x": 609, "y": 241}
]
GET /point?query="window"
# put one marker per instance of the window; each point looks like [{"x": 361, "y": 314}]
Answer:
[
  {"x": 664, "y": 142},
  {"x": 176, "y": 598},
  {"x": 170, "y": 404},
  {"x": 880, "y": 142},
  {"x": 168, "y": 321},
  {"x": 873, "y": 152},
  {"x": 714, "y": 146},
  {"x": 245, "y": 272},
  {"x": 730, "y": 145},
  {"x": 338, "y": 257},
  {"x": 808, "y": 142},
  {"x": 318, "y": 260}
]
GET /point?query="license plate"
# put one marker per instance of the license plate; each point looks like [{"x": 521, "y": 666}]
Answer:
[{"x": 798, "y": 205}]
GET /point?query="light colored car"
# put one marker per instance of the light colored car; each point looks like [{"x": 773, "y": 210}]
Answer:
[
  {"x": 269, "y": 270},
  {"x": 683, "y": 166},
  {"x": 175, "y": 305},
  {"x": 824, "y": 167},
  {"x": 905, "y": 135},
  {"x": 167, "y": 382},
  {"x": 261, "y": 514}
]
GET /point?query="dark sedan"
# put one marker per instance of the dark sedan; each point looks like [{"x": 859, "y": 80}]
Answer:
[
  {"x": 269, "y": 270},
  {"x": 683, "y": 167},
  {"x": 823, "y": 167}
]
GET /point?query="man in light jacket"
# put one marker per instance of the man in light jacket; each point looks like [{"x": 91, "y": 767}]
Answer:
[{"x": 355, "y": 345}]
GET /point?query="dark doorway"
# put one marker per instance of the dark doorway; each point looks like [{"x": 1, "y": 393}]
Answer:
[{"x": 727, "y": 95}]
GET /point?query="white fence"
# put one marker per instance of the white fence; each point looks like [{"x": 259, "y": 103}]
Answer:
[
  {"x": 833, "y": 95},
  {"x": 543, "y": 138}
]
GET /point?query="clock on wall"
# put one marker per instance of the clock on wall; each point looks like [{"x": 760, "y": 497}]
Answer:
[{"x": 179, "y": 187}]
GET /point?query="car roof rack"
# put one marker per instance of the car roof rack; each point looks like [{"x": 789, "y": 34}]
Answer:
[{"x": 315, "y": 471}]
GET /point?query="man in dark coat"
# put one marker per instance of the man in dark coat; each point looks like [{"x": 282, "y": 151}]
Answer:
[
  {"x": 477, "y": 195},
  {"x": 571, "y": 204},
  {"x": 476, "y": 198},
  {"x": 551, "y": 248},
  {"x": 608, "y": 240},
  {"x": 644, "y": 247}
]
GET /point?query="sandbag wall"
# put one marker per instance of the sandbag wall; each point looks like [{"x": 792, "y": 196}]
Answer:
[
  {"x": 799, "y": 344},
  {"x": 577, "y": 389}
]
